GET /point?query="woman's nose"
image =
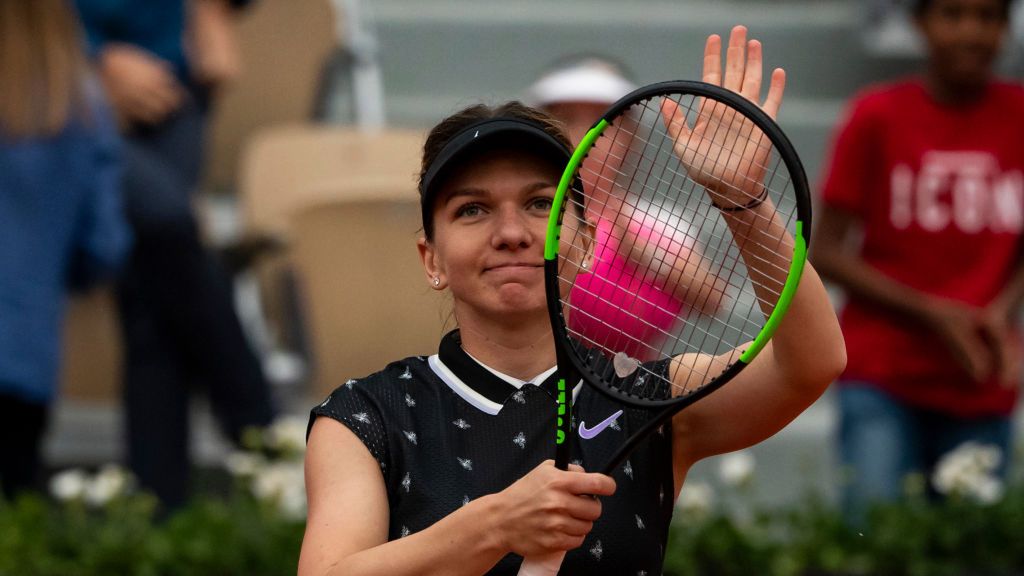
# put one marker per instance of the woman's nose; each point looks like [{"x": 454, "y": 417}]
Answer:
[{"x": 512, "y": 229}]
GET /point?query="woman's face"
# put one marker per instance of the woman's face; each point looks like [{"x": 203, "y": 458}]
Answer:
[
  {"x": 963, "y": 38},
  {"x": 490, "y": 220}
]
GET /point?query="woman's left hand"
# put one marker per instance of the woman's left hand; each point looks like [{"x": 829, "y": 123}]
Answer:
[{"x": 723, "y": 151}]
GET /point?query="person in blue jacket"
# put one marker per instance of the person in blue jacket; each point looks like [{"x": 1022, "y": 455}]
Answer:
[{"x": 61, "y": 222}]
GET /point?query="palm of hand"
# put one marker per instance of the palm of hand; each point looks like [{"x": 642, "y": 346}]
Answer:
[{"x": 724, "y": 152}]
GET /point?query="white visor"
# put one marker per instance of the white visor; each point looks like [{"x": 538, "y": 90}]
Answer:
[{"x": 586, "y": 82}]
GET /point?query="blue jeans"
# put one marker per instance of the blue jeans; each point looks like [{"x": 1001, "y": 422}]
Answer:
[{"x": 882, "y": 440}]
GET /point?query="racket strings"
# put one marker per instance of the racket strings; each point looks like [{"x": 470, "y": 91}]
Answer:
[
  {"x": 661, "y": 228},
  {"x": 772, "y": 243},
  {"x": 694, "y": 212},
  {"x": 647, "y": 142}
]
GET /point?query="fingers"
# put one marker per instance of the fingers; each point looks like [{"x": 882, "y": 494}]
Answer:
[
  {"x": 976, "y": 357},
  {"x": 713, "y": 60},
  {"x": 577, "y": 482},
  {"x": 735, "y": 62},
  {"x": 142, "y": 86},
  {"x": 751, "y": 87},
  {"x": 575, "y": 527},
  {"x": 675, "y": 120},
  {"x": 590, "y": 484},
  {"x": 584, "y": 508},
  {"x": 1007, "y": 364},
  {"x": 155, "y": 105},
  {"x": 744, "y": 63},
  {"x": 1006, "y": 353},
  {"x": 773, "y": 101}
]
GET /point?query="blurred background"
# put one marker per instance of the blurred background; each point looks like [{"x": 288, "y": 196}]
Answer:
[{"x": 312, "y": 150}]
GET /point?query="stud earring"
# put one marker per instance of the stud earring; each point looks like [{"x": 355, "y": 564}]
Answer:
[
  {"x": 437, "y": 282},
  {"x": 585, "y": 265}
]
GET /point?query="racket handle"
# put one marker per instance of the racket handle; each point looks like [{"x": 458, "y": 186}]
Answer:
[{"x": 542, "y": 565}]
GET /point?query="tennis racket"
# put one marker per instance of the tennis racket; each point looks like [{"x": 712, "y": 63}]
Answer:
[{"x": 697, "y": 192}]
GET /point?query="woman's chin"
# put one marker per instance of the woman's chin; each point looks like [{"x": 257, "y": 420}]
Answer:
[{"x": 514, "y": 300}]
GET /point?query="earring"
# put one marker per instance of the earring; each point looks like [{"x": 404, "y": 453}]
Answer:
[
  {"x": 585, "y": 265},
  {"x": 437, "y": 282}
]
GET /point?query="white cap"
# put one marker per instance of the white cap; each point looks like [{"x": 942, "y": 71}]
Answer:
[{"x": 591, "y": 80}]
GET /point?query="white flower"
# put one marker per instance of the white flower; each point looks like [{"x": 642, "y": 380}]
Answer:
[
  {"x": 288, "y": 434},
  {"x": 988, "y": 490},
  {"x": 273, "y": 479},
  {"x": 736, "y": 469},
  {"x": 69, "y": 484},
  {"x": 110, "y": 482},
  {"x": 243, "y": 464},
  {"x": 280, "y": 482},
  {"x": 970, "y": 471},
  {"x": 292, "y": 502},
  {"x": 696, "y": 498}
]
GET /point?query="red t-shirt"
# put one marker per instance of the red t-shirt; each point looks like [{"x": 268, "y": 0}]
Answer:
[{"x": 940, "y": 194}]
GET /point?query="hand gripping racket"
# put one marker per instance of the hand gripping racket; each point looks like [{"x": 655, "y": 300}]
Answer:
[{"x": 693, "y": 195}]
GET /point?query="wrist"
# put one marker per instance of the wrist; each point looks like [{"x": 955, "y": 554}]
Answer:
[
  {"x": 1002, "y": 308},
  {"x": 489, "y": 513},
  {"x": 754, "y": 199},
  {"x": 925, "y": 309}
]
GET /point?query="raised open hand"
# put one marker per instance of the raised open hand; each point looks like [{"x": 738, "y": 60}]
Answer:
[{"x": 723, "y": 151}]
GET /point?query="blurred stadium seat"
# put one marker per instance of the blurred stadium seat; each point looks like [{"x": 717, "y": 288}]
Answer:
[
  {"x": 91, "y": 366},
  {"x": 362, "y": 284},
  {"x": 287, "y": 168},
  {"x": 285, "y": 47}
]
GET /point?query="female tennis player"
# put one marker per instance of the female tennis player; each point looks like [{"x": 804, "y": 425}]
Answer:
[{"x": 434, "y": 465}]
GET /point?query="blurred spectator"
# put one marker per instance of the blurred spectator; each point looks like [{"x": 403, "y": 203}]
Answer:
[
  {"x": 578, "y": 91},
  {"x": 160, "y": 61},
  {"x": 61, "y": 223},
  {"x": 1014, "y": 65},
  {"x": 928, "y": 173}
]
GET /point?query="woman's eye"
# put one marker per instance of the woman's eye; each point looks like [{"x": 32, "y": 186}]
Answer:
[
  {"x": 542, "y": 204},
  {"x": 468, "y": 210}
]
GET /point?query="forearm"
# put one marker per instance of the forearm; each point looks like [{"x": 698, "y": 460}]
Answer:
[
  {"x": 864, "y": 282},
  {"x": 1007, "y": 303},
  {"x": 679, "y": 270},
  {"x": 696, "y": 285},
  {"x": 214, "y": 54},
  {"x": 766, "y": 248},
  {"x": 465, "y": 542},
  {"x": 808, "y": 345}
]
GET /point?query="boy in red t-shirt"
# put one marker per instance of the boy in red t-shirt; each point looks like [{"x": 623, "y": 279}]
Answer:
[{"x": 929, "y": 172}]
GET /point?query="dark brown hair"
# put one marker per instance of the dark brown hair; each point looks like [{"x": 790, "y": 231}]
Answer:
[
  {"x": 920, "y": 7},
  {"x": 42, "y": 67},
  {"x": 453, "y": 125}
]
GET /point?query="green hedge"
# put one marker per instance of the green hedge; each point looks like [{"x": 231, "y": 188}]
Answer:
[
  {"x": 956, "y": 537},
  {"x": 209, "y": 537},
  {"x": 242, "y": 536}
]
